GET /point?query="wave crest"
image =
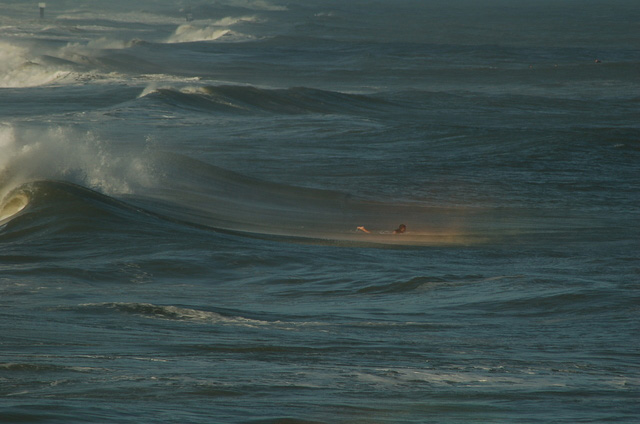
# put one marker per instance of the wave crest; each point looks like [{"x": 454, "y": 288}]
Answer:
[
  {"x": 63, "y": 154},
  {"x": 19, "y": 69},
  {"x": 237, "y": 99},
  {"x": 11, "y": 205},
  {"x": 211, "y": 31}
]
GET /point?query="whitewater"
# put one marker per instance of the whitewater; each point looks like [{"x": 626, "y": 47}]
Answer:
[{"x": 200, "y": 204}]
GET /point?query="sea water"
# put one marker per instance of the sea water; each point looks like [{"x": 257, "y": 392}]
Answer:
[{"x": 181, "y": 186}]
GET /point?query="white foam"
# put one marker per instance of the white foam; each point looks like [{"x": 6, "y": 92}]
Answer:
[
  {"x": 19, "y": 69},
  {"x": 60, "y": 153},
  {"x": 190, "y": 33},
  {"x": 211, "y": 30},
  {"x": 179, "y": 314},
  {"x": 78, "y": 51},
  {"x": 230, "y": 20}
]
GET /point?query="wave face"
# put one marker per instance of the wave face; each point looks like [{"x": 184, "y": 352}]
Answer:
[
  {"x": 201, "y": 210},
  {"x": 177, "y": 188},
  {"x": 254, "y": 100}
]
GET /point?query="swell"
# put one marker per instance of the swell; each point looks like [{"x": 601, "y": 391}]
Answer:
[
  {"x": 235, "y": 99},
  {"x": 71, "y": 180},
  {"x": 64, "y": 184},
  {"x": 182, "y": 190},
  {"x": 198, "y": 193}
]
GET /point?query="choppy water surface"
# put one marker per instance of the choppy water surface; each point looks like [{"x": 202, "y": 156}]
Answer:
[{"x": 179, "y": 204}]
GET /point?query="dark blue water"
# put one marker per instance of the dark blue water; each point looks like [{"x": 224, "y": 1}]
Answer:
[{"x": 180, "y": 203}]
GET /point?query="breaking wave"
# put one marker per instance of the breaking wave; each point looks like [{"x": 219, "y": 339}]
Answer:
[
  {"x": 211, "y": 31},
  {"x": 63, "y": 154},
  {"x": 23, "y": 67},
  {"x": 190, "y": 33},
  {"x": 19, "y": 69},
  {"x": 63, "y": 168},
  {"x": 11, "y": 205}
]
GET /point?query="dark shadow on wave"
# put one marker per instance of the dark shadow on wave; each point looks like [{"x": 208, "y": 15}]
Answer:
[{"x": 249, "y": 100}]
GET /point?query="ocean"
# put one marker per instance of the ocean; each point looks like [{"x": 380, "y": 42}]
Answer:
[{"x": 200, "y": 210}]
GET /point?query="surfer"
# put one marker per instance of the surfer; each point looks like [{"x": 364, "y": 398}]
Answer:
[{"x": 401, "y": 229}]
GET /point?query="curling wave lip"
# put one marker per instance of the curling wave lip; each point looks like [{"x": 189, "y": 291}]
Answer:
[{"x": 12, "y": 205}]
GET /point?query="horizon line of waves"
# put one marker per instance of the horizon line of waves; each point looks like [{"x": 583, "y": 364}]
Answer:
[
  {"x": 208, "y": 13},
  {"x": 131, "y": 17},
  {"x": 233, "y": 7},
  {"x": 241, "y": 99}
]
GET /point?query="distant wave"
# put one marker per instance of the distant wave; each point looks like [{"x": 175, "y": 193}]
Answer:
[
  {"x": 238, "y": 99},
  {"x": 19, "y": 69},
  {"x": 190, "y": 33},
  {"x": 211, "y": 31}
]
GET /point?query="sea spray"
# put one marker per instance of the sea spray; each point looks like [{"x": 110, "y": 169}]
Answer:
[
  {"x": 78, "y": 52},
  {"x": 18, "y": 68},
  {"x": 211, "y": 30},
  {"x": 64, "y": 154}
]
